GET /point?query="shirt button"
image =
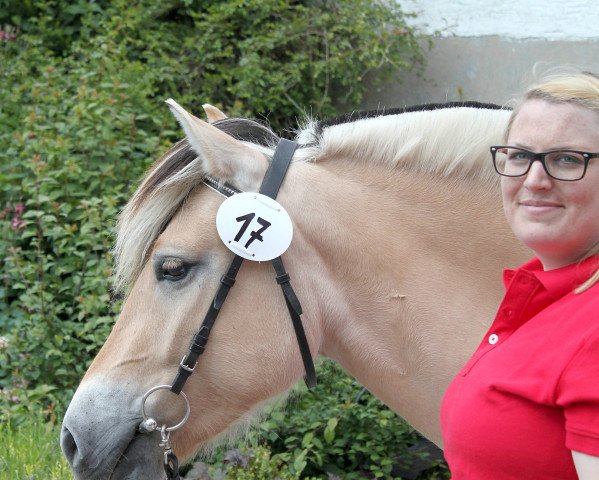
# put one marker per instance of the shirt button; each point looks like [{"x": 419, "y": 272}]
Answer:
[{"x": 493, "y": 339}]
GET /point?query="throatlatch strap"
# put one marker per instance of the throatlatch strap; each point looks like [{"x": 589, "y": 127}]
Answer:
[
  {"x": 270, "y": 187},
  {"x": 295, "y": 310}
]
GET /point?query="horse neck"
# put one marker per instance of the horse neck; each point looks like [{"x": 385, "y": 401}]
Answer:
[{"x": 409, "y": 275}]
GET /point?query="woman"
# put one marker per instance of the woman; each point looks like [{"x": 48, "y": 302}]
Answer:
[{"x": 526, "y": 405}]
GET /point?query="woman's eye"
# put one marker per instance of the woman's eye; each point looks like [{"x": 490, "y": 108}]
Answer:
[
  {"x": 173, "y": 269},
  {"x": 567, "y": 159},
  {"x": 518, "y": 155}
]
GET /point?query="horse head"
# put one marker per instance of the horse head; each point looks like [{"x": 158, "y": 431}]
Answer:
[{"x": 174, "y": 266}]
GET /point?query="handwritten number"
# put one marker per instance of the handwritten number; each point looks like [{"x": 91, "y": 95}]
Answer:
[
  {"x": 255, "y": 234},
  {"x": 246, "y": 219}
]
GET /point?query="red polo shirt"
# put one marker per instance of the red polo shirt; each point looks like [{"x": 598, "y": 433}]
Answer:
[{"x": 530, "y": 393}]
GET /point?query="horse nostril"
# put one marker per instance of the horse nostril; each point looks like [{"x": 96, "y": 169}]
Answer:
[{"x": 68, "y": 445}]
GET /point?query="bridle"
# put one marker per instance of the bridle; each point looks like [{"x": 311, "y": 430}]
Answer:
[{"x": 270, "y": 187}]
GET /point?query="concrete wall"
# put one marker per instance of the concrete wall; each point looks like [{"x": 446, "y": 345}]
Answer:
[{"x": 490, "y": 51}]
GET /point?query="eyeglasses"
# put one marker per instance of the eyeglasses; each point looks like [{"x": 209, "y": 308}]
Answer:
[{"x": 567, "y": 165}]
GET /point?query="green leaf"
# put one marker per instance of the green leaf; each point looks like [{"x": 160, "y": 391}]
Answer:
[
  {"x": 307, "y": 439},
  {"x": 329, "y": 431},
  {"x": 299, "y": 463}
]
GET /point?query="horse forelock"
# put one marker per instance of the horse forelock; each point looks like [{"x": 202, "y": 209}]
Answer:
[
  {"x": 162, "y": 192},
  {"x": 447, "y": 139}
]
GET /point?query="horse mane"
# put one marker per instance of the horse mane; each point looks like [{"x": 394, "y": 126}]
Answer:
[
  {"x": 427, "y": 107},
  {"x": 449, "y": 139}
]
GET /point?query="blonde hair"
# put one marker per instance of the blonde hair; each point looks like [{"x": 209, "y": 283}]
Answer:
[
  {"x": 593, "y": 279},
  {"x": 579, "y": 88}
]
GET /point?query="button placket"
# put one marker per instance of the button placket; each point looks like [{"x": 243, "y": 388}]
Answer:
[{"x": 520, "y": 289}]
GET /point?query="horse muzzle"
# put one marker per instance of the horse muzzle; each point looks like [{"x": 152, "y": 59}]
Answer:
[{"x": 100, "y": 437}]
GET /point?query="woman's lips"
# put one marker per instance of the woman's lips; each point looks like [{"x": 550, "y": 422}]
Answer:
[{"x": 539, "y": 207}]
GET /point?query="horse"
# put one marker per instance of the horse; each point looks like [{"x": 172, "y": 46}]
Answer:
[{"x": 398, "y": 245}]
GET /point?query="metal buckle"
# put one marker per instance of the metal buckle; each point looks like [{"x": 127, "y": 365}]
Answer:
[{"x": 185, "y": 367}]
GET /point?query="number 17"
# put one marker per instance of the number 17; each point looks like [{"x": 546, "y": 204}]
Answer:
[{"x": 255, "y": 234}]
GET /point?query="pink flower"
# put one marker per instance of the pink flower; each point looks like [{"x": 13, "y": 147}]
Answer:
[
  {"x": 19, "y": 208},
  {"x": 8, "y": 34},
  {"x": 17, "y": 223}
]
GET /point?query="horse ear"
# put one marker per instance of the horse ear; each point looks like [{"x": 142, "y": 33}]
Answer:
[
  {"x": 212, "y": 113},
  {"x": 222, "y": 156}
]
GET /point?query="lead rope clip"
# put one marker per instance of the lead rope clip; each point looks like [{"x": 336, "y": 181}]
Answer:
[
  {"x": 171, "y": 463},
  {"x": 165, "y": 443},
  {"x": 148, "y": 425}
]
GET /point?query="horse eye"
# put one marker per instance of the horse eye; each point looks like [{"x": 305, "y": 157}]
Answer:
[{"x": 173, "y": 269}]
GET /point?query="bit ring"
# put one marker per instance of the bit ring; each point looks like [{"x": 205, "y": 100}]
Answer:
[{"x": 166, "y": 387}]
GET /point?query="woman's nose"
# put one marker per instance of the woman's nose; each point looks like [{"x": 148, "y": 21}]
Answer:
[{"x": 537, "y": 178}]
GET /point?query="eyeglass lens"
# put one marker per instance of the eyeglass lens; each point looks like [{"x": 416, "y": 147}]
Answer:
[{"x": 562, "y": 165}]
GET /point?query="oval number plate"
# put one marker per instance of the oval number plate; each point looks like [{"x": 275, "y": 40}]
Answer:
[{"x": 254, "y": 226}]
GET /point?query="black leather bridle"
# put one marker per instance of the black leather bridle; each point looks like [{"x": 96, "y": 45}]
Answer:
[{"x": 270, "y": 187}]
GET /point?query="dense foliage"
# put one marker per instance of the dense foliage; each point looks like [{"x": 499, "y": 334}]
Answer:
[
  {"x": 341, "y": 429},
  {"x": 268, "y": 58},
  {"x": 81, "y": 118}
]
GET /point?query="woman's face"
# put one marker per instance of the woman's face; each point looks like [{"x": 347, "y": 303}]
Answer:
[{"x": 558, "y": 220}]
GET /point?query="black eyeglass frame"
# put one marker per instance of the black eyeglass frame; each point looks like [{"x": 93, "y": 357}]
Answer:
[{"x": 541, "y": 158}]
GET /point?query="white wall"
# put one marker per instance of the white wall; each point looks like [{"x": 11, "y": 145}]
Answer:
[
  {"x": 491, "y": 50},
  {"x": 517, "y": 19}
]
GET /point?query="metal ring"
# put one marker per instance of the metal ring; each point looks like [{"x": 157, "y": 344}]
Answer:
[{"x": 166, "y": 387}]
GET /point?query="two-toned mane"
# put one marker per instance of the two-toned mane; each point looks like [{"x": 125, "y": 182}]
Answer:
[{"x": 397, "y": 251}]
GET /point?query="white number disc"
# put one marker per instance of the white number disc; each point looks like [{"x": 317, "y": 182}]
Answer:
[{"x": 254, "y": 226}]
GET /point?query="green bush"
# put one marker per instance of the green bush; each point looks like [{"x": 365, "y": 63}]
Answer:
[
  {"x": 271, "y": 59},
  {"x": 254, "y": 464},
  {"x": 338, "y": 428},
  {"x": 79, "y": 134}
]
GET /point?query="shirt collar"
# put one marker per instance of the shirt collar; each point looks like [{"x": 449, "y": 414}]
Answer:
[{"x": 558, "y": 281}]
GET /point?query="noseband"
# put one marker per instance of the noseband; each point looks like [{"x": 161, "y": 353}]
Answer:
[{"x": 270, "y": 187}]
